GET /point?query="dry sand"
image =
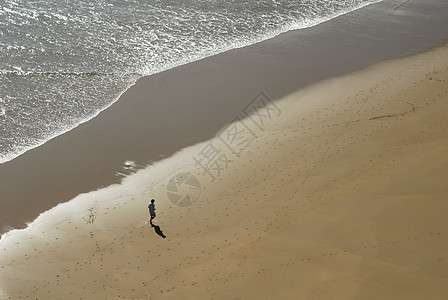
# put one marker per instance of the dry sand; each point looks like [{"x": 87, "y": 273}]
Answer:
[{"x": 341, "y": 195}]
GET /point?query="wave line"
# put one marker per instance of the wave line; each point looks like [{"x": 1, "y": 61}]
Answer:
[{"x": 78, "y": 74}]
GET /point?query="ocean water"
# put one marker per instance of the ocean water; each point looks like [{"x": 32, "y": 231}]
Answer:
[{"x": 64, "y": 61}]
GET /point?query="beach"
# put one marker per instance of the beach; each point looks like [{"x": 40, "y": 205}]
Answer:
[
  {"x": 166, "y": 112},
  {"x": 289, "y": 169}
]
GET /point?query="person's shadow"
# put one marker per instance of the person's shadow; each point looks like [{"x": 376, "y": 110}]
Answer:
[{"x": 157, "y": 230}]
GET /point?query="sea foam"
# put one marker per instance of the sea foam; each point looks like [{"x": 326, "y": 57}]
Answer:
[{"x": 63, "y": 87}]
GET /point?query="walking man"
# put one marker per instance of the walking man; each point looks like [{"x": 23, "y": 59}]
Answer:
[{"x": 152, "y": 210}]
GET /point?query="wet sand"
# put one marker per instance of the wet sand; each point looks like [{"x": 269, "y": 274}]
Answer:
[
  {"x": 166, "y": 112},
  {"x": 339, "y": 192}
]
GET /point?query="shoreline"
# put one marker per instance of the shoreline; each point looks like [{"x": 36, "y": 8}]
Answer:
[
  {"x": 141, "y": 74},
  {"x": 169, "y": 111},
  {"x": 340, "y": 194}
]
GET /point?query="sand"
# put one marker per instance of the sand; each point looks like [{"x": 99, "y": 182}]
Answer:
[
  {"x": 166, "y": 112},
  {"x": 339, "y": 194}
]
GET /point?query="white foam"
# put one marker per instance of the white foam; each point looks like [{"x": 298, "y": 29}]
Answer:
[
  {"x": 22, "y": 150},
  {"x": 153, "y": 59},
  {"x": 59, "y": 16},
  {"x": 24, "y": 13},
  {"x": 129, "y": 164},
  {"x": 244, "y": 41}
]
